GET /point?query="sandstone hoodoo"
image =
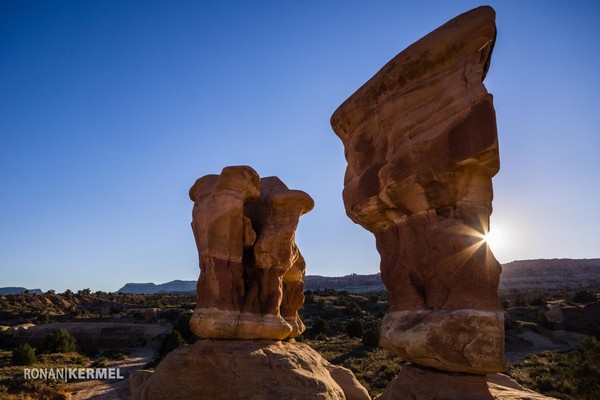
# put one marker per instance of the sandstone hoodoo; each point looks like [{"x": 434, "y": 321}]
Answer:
[
  {"x": 421, "y": 144},
  {"x": 251, "y": 271},
  {"x": 250, "y": 288}
]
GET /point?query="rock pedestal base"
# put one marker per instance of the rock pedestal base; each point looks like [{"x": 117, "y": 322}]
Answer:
[
  {"x": 246, "y": 369},
  {"x": 418, "y": 383},
  {"x": 469, "y": 341}
]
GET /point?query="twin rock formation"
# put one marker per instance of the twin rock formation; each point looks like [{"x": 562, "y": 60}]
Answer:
[
  {"x": 421, "y": 145},
  {"x": 250, "y": 288},
  {"x": 252, "y": 273}
]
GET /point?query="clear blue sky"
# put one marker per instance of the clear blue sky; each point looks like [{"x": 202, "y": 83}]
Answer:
[{"x": 110, "y": 110}]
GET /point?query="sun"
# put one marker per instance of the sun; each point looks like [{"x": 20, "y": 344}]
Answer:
[{"x": 494, "y": 238}]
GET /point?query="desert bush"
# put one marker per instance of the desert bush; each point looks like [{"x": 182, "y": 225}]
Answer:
[
  {"x": 23, "y": 355},
  {"x": 371, "y": 337},
  {"x": 60, "y": 341},
  {"x": 584, "y": 297},
  {"x": 44, "y": 318},
  {"x": 354, "y": 328},
  {"x": 7, "y": 339},
  {"x": 320, "y": 326},
  {"x": 519, "y": 302},
  {"x": 183, "y": 327},
  {"x": 328, "y": 312},
  {"x": 100, "y": 362},
  {"x": 570, "y": 375},
  {"x": 169, "y": 343},
  {"x": 341, "y": 300},
  {"x": 537, "y": 301},
  {"x": 321, "y": 337},
  {"x": 309, "y": 296},
  {"x": 320, "y": 303},
  {"x": 352, "y": 308}
]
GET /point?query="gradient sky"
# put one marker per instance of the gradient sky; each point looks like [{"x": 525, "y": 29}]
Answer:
[{"x": 110, "y": 110}]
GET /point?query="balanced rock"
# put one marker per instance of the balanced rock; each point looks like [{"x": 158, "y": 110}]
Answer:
[
  {"x": 421, "y": 144},
  {"x": 251, "y": 271},
  {"x": 246, "y": 369}
]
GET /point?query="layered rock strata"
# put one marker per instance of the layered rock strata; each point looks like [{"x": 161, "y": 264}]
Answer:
[
  {"x": 421, "y": 144},
  {"x": 251, "y": 271}
]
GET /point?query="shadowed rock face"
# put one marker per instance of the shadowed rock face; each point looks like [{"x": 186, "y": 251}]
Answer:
[
  {"x": 421, "y": 145},
  {"x": 251, "y": 271}
]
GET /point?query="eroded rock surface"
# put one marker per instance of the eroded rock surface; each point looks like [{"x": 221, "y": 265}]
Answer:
[
  {"x": 246, "y": 369},
  {"x": 421, "y": 144},
  {"x": 251, "y": 271},
  {"x": 419, "y": 383}
]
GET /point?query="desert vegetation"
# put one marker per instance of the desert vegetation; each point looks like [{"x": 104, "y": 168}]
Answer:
[{"x": 342, "y": 326}]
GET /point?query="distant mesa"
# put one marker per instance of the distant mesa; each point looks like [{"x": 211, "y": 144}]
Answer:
[
  {"x": 19, "y": 290},
  {"x": 177, "y": 286},
  {"x": 520, "y": 274}
]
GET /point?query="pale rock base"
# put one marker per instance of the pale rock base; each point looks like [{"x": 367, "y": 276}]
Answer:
[
  {"x": 417, "y": 383},
  {"x": 470, "y": 341},
  {"x": 213, "y": 323},
  {"x": 246, "y": 369}
]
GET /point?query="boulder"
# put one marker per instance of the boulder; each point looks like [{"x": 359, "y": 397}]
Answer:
[
  {"x": 421, "y": 144},
  {"x": 245, "y": 369}
]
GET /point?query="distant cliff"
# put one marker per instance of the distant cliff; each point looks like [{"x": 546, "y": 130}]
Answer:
[
  {"x": 177, "y": 286},
  {"x": 18, "y": 290},
  {"x": 551, "y": 273}
]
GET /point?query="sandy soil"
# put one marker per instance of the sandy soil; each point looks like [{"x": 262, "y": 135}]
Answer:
[
  {"x": 113, "y": 389},
  {"x": 558, "y": 341}
]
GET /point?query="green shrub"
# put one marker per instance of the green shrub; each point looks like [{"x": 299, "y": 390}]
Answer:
[
  {"x": 309, "y": 296},
  {"x": 100, "y": 362},
  {"x": 170, "y": 342},
  {"x": 584, "y": 297},
  {"x": 44, "y": 318},
  {"x": 320, "y": 326},
  {"x": 60, "y": 341},
  {"x": 537, "y": 301},
  {"x": 354, "y": 328},
  {"x": 320, "y": 303},
  {"x": 328, "y": 312},
  {"x": 183, "y": 327},
  {"x": 371, "y": 337},
  {"x": 23, "y": 355},
  {"x": 7, "y": 339},
  {"x": 570, "y": 375},
  {"x": 519, "y": 302}
]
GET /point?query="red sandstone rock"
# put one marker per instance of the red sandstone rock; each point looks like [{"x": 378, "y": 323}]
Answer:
[
  {"x": 421, "y": 145},
  {"x": 252, "y": 273}
]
